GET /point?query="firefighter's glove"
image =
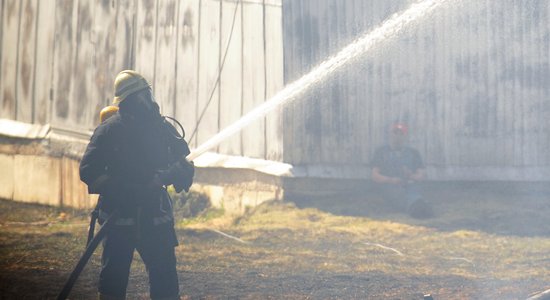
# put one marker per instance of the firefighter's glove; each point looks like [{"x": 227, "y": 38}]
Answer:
[{"x": 179, "y": 174}]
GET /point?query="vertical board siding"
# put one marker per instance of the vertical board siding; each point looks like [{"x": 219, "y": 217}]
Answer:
[
  {"x": 10, "y": 39},
  {"x": 106, "y": 47},
  {"x": 231, "y": 74},
  {"x": 165, "y": 71},
  {"x": 187, "y": 66},
  {"x": 64, "y": 56},
  {"x": 146, "y": 41},
  {"x": 44, "y": 61},
  {"x": 273, "y": 32},
  {"x": 60, "y": 57},
  {"x": 122, "y": 52},
  {"x": 253, "y": 77},
  {"x": 208, "y": 96},
  {"x": 81, "y": 110},
  {"x": 470, "y": 80},
  {"x": 26, "y": 55},
  {"x": 146, "y": 38}
]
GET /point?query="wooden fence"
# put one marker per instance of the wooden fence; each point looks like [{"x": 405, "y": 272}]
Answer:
[
  {"x": 223, "y": 57},
  {"x": 471, "y": 79}
]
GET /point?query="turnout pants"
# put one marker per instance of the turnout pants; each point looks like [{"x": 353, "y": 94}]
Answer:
[
  {"x": 401, "y": 197},
  {"x": 155, "y": 245}
]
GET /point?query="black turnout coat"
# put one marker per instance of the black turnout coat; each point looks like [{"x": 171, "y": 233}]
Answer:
[{"x": 122, "y": 158}]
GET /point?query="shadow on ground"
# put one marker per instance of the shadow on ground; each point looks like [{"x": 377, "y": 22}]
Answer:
[{"x": 504, "y": 209}]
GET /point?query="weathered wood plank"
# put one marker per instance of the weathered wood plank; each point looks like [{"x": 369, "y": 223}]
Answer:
[
  {"x": 8, "y": 76},
  {"x": 123, "y": 56},
  {"x": 146, "y": 39},
  {"x": 231, "y": 76},
  {"x": 253, "y": 78},
  {"x": 165, "y": 72},
  {"x": 187, "y": 66},
  {"x": 208, "y": 94},
  {"x": 291, "y": 68},
  {"x": 44, "y": 61},
  {"x": 83, "y": 96},
  {"x": 323, "y": 119},
  {"x": 274, "y": 79},
  {"x": 26, "y": 61},
  {"x": 107, "y": 50},
  {"x": 66, "y": 19}
]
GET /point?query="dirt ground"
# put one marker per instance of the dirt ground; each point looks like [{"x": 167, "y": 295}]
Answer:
[{"x": 480, "y": 245}]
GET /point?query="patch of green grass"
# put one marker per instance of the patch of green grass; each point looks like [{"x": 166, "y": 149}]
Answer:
[{"x": 208, "y": 215}]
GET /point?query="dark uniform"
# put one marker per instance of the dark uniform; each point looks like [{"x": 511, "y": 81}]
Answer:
[
  {"x": 121, "y": 160},
  {"x": 394, "y": 163}
]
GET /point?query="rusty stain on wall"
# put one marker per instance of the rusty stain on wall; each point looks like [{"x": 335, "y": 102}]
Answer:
[
  {"x": 148, "y": 24},
  {"x": 188, "y": 39},
  {"x": 169, "y": 22},
  {"x": 11, "y": 7},
  {"x": 8, "y": 101}
]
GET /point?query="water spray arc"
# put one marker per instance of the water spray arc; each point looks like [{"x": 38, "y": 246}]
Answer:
[{"x": 390, "y": 28}]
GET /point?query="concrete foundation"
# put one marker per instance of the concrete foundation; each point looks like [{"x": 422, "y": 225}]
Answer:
[{"x": 43, "y": 168}]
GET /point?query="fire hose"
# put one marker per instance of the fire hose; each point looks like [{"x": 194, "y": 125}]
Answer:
[{"x": 93, "y": 242}]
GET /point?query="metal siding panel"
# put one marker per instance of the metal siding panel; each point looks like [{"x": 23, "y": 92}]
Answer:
[
  {"x": 187, "y": 66},
  {"x": 209, "y": 68},
  {"x": 26, "y": 65},
  {"x": 540, "y": 76},
  {"x": 253, "y": 78},
  {"x": 299, "y": 113},
  {"x": 515, "y": 105},
  {"x": 8, "y": 76},
  {"x": 488, "y": 72},
  {"x": 498, "y": 42},
  {"x": 465, "y": 79},
  {"x": 311, "y": 107},
  {"x": 507, "y": 87},
  {"x": 292, "y": 37},
  {"x": 326, "y": 137},
  {"x": 165, "y": 51},
  {"x": 290, "y": 44},
  {"x": 448, "y": 106},
  {"x": 274, "y": 80},
  {"x": 358, "y": 84},
  {"x": 531, "y": 89},
  {"x": 231, "y": 77},
  {"x": 44, "y": 60}
]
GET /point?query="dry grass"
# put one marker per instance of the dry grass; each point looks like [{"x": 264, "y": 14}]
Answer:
[{"x": 287, "y": 252}]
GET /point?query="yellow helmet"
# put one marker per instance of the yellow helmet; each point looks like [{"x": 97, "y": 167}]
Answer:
[
  {"x": 107, "y": 112},
  {"x": 128, "y": 82}
]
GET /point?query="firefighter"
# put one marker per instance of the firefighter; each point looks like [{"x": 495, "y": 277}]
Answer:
[
  {"x": 131, "y": 158},
  {"x": 398, "y": 170}
]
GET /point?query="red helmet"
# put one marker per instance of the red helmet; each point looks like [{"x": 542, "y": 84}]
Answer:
[{"x": 400, "y": 128}]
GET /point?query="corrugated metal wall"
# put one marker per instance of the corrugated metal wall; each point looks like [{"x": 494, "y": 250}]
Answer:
[
  {"x": 59, "y": 59},
  {"x": 472, "y": 81}
]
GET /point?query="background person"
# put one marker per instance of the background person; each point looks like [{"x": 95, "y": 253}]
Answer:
[{"x": 398, "y": 169}]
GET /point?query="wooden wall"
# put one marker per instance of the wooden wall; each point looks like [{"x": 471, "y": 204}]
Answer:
[
  {"x": 59, "y": 59},
  {"x": 472, "y": 81}
]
